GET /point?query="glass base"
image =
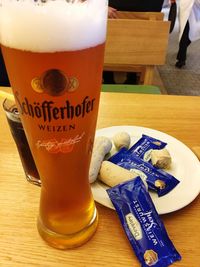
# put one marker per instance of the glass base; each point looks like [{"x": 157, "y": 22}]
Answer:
[
  {"x": 68, "y": 241},
  {"x": 33, "y": 180}
]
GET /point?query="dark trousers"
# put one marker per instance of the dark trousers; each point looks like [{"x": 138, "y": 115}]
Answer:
[
  {"x": 4, "y": 81},
  {"x": 183, "y": 44},
  {"x": 137, "y": 5}
]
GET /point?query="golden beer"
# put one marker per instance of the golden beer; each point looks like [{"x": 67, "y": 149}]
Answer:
[{"x": 57, "y": 94}]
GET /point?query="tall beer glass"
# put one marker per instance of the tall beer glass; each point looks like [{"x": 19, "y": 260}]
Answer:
[{"x": 53, "y": 52}]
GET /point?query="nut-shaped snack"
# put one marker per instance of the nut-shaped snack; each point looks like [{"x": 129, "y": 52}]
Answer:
[
  {"x": 160, "y": 184},
  {"x": 121, "y": 139},
  {"x": 161, "y": 158},
  {"x": 102, "y": 146},
  {"x": 150, "y": 257}
]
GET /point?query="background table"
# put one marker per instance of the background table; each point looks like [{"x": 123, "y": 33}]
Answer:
[{"x": 20, "y": 243}]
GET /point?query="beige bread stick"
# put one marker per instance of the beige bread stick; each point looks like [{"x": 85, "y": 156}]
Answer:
[
  {"x": 161, "y": 158},
  {"x": 102, "y": 146},
  {"x": 112, "y": 174},
  {"x": 121, "y": 139},
  {"x": 104, "y": 143}
]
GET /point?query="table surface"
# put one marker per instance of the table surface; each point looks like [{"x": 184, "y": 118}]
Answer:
[{"x": 21, "y": 244}]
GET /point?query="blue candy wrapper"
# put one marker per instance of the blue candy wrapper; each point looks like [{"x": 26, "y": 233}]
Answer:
[
  {"x": 143, "y": 147},
  {"x": 142, "y": 225},
  {"x": 157, "y": 180}
]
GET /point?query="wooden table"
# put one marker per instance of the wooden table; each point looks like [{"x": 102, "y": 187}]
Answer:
[{"x": 20, "y": 243}]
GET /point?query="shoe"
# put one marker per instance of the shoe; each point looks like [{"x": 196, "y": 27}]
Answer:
[{"x": 179, "y": 64}]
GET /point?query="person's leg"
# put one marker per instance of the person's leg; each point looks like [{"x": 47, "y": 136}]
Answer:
[
  {"x": 131, "y": 78},
  {"x": 137, "y": 5},
  {"x": 183, "y": 45},
  {"x": 152, "y": 6}
]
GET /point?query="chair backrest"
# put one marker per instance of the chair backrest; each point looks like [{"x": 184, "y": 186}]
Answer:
[
  {"x": 137, "y": 42},
  {"x": 140, "y": 15},
  {"x": 130, "y": 42}
]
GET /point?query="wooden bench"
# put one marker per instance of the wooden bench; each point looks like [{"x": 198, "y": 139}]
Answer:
[{"x": 136, "y": 42}]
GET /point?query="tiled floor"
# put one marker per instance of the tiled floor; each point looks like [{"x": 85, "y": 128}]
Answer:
[{"x": 185, "y": 81}]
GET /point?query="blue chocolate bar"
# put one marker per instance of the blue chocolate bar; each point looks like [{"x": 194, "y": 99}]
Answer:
[
  {"x": 142, "y": 225},
  {"x": 143, "y": 147},
  {"x": 157, "y": 180}
]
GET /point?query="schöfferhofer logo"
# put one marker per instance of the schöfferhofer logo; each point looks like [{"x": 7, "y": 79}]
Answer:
[{"x": 54, "y": 82}]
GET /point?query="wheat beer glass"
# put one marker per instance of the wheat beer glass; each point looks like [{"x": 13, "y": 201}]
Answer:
[{"x": 53, "y": 52}]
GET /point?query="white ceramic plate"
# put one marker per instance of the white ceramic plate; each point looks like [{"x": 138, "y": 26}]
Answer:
[{"x": 185, "y": 167}]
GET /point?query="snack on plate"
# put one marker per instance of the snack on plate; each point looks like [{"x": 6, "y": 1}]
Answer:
[
  {"x": 142, "y": 225},
  {"x": 102, "y": 146},
  {"x": 161, "y": 158},
  {"x": 157, "y": 180},
  {"x": 121, "y": 139},
  {"x": 112, "y": 174}
]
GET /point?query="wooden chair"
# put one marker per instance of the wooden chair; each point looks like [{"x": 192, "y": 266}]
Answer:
[
  {"x": 136, "y": 42},
  {"x": 140, "y": 15}
]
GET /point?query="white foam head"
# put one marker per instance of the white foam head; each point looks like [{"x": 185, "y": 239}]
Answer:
[{"x": 52, "y": 26}]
